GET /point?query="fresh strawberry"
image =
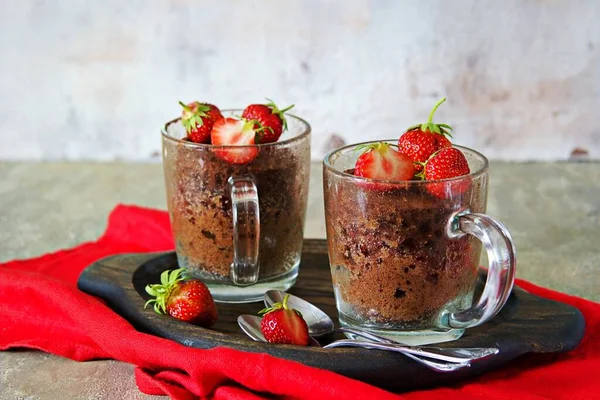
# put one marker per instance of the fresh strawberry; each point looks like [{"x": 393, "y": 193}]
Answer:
[
  {"x": 446, "y": 163},
  {"x": 283, "y": 325},
  {"x": 269, "y": 120},
  {"x": 198, "y": 120},
  {"x": 236, "y": 133},
  {"x": 188, "y": 300},
  {"x": 380, "y": 161},
  {"x": 420, "y": 141}
]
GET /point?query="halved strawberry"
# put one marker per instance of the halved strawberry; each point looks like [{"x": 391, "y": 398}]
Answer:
[
  {"x": 236, "y": 133},
  {"x": 380, "y": 161},
  {"x": 283, "y": 325}
]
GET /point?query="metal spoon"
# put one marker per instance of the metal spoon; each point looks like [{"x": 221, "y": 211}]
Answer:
[
  {"x": 250, "y": 324},
  {"x": 319, "y": 324}
]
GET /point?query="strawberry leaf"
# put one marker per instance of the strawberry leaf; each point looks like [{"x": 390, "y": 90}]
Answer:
[
  {"x": 164, "y": 277},
  {"x": 379, "y": 146},
  {"x": 193, "y": 115},
  {"x": 277, "y": 306},
  {"x": 280, "y": 113},
  {"x": 445, "y": 132},
  {"x": 161, "y": 291}
]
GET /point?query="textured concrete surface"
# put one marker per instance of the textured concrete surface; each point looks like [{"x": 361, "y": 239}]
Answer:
[
  {"x": 37, "y": 375},
  {"x": 95, "y": 80},
  {"x": 552, "y": 210}
]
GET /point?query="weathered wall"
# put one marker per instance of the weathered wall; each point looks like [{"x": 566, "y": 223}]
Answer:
[{"x": 94, "y": 80}]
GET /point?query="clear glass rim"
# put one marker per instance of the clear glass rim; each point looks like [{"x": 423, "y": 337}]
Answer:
[
  {"x": 471, "y": 176},
  {"x": 305, "y": 132}
]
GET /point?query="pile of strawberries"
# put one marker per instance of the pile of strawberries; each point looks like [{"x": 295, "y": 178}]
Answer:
[
  {"x": 423, "y": 153},
  {"x": 259, "y": 123}
]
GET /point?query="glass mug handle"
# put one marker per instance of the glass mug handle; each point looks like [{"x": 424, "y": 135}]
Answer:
[
  {"x": 501, "y": 272},
  {"x": 246, "y": 230}
]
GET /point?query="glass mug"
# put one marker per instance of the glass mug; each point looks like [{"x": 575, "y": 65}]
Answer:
[
  {"x": 239, "y": 228},
  {"x": 404, "y": 256}
]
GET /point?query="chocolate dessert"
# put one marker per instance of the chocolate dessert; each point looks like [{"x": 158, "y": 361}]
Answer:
[
  {"x": 201, "y": 214},
  {"x": 392, "y": 263}
]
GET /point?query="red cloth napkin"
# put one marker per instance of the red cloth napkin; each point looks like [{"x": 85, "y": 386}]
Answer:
[{"x": 41, "y": 308}]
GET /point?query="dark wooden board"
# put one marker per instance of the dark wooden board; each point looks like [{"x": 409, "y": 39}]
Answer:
[{"x": 527, "y": 324}]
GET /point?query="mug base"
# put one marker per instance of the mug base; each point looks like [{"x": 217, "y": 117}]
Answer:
[
  {"x": 411, "y": 338},
  {"x": 227, "y": 292}
]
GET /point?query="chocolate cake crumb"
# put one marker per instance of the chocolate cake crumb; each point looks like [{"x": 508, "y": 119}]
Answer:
[{"x": 206, "y": 233}]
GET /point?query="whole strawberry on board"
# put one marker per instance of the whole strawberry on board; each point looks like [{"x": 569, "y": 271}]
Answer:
[
  {"x": 198, "y": 120},
  {"x": 446, "y": 163},
  {"x": 269, "y": 120},
  {"x": 381, "y": 161},
  {"x": 239, "y": 135},
  {"x": 284, "y": 325},
  {"x": 420, "y": 141},
  {"x": 188, "y": 300}
]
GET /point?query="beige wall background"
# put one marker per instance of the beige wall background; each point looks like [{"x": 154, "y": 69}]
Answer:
[{"x": 95, "y": 80}]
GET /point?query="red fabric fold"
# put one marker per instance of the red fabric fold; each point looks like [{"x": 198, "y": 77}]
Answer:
[{"x": 41, "y": 308}]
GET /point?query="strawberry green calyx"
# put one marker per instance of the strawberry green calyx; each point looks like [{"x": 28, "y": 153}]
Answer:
[
  {"x": 193, "y": 114},
  {"x": 260, "y": 129},
  {"x": 380, "y": 147},
  {"x": 421, "y": 175},
  {"x": 161, "y": 291},
  {"x": 429, "y": 126},
  {"x": 278, "y": 306},
  {"x": 280, "y": 113}
]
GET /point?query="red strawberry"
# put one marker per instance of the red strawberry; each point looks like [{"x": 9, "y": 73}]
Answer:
[
  {"x": 420, "y": 141},
  {"x": 198, "y": 119},
  {"x": 446, "y": 163},
  {"x": 236, "y": 133},
  {"x": 269, "y": 120},
  {"x": 283, "y": 325},
  {"x": 380, "y": 161},
  {"x": 187, "y": 300}
]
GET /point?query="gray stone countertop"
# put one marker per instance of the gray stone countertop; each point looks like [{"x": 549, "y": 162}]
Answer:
[{"x": 551, "y": 209}]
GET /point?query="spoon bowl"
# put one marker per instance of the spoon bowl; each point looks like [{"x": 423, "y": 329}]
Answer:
[
  {"x": 250, "y": 324},
  {"x": 318, "y": 322}
]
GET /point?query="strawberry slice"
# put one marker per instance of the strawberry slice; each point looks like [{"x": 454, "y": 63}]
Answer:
[
  {"x": 238, "y": 134},
  {"x": 380, "y": 161},
  {"x": 284, "y": 325}
]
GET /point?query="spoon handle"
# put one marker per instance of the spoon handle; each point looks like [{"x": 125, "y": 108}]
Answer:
[
  {"x": 434, "y": 365},
  {"x": 467, "y": 353}
]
